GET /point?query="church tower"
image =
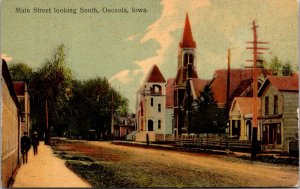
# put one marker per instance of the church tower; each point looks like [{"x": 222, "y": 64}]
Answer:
[{"x": 186, "y": 70}]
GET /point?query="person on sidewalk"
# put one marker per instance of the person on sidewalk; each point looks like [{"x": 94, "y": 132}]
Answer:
[
  {"x": 25, "y": 146},
  {"x": 35, "y": 142}
]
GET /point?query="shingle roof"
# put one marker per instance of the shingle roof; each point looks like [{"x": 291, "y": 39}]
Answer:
[
  {"x": 245, "y": 104},
  {"x": 285, "y": 83},
  {"x": 187, "y": 36},
  {"x": 155, "y": 75}
]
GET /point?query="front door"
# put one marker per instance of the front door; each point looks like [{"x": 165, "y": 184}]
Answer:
[
  {"x": 274, "y": 134},
  {"x": 150, "y": 125}
]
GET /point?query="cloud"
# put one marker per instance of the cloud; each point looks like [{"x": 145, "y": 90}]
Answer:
[
  {"x": 132, "y": 37},
  {"x": 6, "y": 57},
  {"x": 172, "y": 18},
  {"x": 121, "y": 76}
]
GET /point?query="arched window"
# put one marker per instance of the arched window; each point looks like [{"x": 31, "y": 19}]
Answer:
[
  {"x": 188, "y": 58},
  {"x": 156, "y": 90}
]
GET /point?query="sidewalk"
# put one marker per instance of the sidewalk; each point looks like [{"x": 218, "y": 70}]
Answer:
[{"x": 46, "y": 170}]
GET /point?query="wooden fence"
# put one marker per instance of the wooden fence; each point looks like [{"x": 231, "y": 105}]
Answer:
[{"x": 215, "y": 142}]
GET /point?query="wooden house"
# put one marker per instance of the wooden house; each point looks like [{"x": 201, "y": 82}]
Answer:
[
  {"x": 240, "y": 118},
  {"x": 21, "y": 89},
  {"x": 279, "y": 103}
]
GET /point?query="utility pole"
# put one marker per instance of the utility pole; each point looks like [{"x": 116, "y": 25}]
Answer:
[
  {"x": 227, "y": 102},
  {"x": 47, "y": 132},
  {"x": 255, "y": 49},
  {"x": 112, "y": 116}
]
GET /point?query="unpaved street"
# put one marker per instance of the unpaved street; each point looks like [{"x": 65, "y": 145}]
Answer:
[{"x": 142, "y": 167}]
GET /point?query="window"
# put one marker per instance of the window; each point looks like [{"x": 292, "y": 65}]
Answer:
[
  {"x": 151, "y": 101},
  {"x": 275, "y": 104},
  {"x": 266, "y": 105},
  {"x": 188, "y": 58},
  {"x": 159, "y": 107},
  {"x": 236, "y": 124},
  {"x": 159, "y": 124}
]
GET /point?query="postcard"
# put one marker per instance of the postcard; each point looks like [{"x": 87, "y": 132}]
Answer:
[{"x": 138, "y": 93}]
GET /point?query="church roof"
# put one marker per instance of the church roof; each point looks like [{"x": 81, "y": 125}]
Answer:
[
  {"x": 187, "y": 36},
  {"x": 198, "y": 86},
  {"x": 238, "y": 77},
  {"x": 155, "y": 75}
]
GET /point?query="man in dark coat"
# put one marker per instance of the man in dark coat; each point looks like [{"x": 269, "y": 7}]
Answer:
[
  {"x": 35, "y": 142},
  {"x": 25, "y": 146}
]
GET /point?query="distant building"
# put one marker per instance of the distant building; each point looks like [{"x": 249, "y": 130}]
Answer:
[
  {"x": 21, "y": 89},
  {"x": 125, "y": 125},
  {"x": 279, "y": 102},
  {"x": 10, "y": 128}
]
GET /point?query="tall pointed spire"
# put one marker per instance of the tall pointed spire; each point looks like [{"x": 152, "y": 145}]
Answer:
[{"x": 187, "y": 37}]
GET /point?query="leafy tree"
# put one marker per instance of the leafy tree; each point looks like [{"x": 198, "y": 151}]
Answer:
[
  {"x": 287, "y": 69},
  {"x": 276, "y": 66},
  {"x": 20, "y": 72},
  {"x": 48, "y": 90},
  {"x": 91, "y": 107}
]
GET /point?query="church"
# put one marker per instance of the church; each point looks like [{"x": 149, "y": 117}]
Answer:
[{"x": 162, "y": 105}]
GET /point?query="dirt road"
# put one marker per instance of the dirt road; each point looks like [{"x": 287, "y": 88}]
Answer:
[{"x": 140, "y": 167}]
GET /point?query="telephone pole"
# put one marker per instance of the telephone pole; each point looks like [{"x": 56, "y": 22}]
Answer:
[
  {"x": 112, "y": 116},
  {"x": 255, "y": 49}
]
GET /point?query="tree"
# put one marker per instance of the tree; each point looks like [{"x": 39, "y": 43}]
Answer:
[
  {"x": 276, "y": 66},
  {"x": 287, "y": 69},
  {"x": 48, "y": 90},
  {"x": 206, "y": 116},
  {"x": 20, "y": 72},
  {"x": 91, "y": 107}
]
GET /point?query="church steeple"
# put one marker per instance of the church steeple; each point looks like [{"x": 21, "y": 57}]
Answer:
[{"x": 187, "y": 36}]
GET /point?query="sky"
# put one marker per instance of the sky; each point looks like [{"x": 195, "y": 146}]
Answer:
[{"x": 123, "y": 46}]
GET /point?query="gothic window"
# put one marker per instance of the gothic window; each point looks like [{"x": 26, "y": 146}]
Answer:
[
  {"x": 266, "y": 105},
  {"x": 191, "y": 58}
]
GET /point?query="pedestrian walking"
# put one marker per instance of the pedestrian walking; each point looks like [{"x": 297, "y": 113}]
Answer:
[
  {"x": 35, "y": 142},
  {"x": 25, "y": 146}
]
